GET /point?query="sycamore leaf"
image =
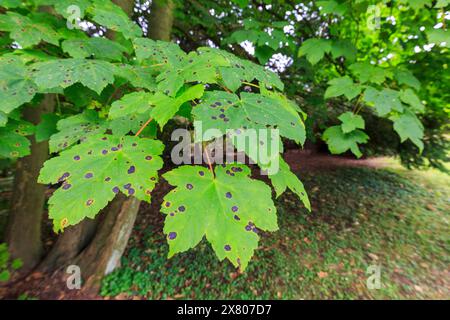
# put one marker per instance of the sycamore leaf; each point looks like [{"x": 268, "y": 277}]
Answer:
[
  {"x": 158, "y": 52},
  {"x": 409, "y": 127},
  {"x": 94, "y": 74},
  {"x": 14, "y": 142},
  {"x": 110, "y": 15},
  {"x": 93, "y": 172},
  {"x": 351, "y": 121},
  {"x": 408, "y": 96},
  {"x": 343, "y": 48},
  {"x": 244, "y": 70},
  {"x": 314, "y": 49},
  {"x": 219, "y": 209},
  {"x": 342, "y": 86},
  {"x": 135, "y": 102},
  {"x": 332, "y": 7},
  {"x": 405, "y": 76},
  {"x": 284, "y": 179},
  {"x": 417, "y": 4},
  {"x": 226, "y": 111},
  {"x": 75, "y": 129},
  {"x": 99, "y": 48},
  {"x": 138, "y": 76},
  {"x": 442, "y": 3},
  {"x": 10, "y": 4},
  {"x": 370, "y": 73},
  {"x": 384, "y": 100},
  {"x": 16, "y": 87},
  {"x": 47, "y": 127},
  {"x": 339, "y": 142},
  {"x": 62, "y": 6},
  {"x": 439, "y": 36},
  {"x": 201, "y": 67},
  {"x": 26, "y": 31},
  {"x": 166, "y": 107},
  {"x": 3, "y": 119}
]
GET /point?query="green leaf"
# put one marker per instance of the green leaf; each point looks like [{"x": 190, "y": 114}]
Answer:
[
  {"x": 16, "y": 264},
  {"x": 332, "y": 7},
  {"x": 47, "y": 127},
  {"x": 75, "y": 129},
  {"x": 284, "y": 179},
  {"x": 135, "y": 102},
  {"x": 442, "y": 3},
  {"x": 226, "y": 111},
  {"x": 370, "y": 73},
  {"x": 110, "y": 15},
  {"x": 417, "y": 4},
  {"x": 3, "y": 119},
  {"x": 62, "y": 6},
  {"x": 166, "y": 107},
  {"x": 343, "y": 48},
  {"x": 408, "y": 96},
  {"x": 158, "y": 53},
  {"x": 139, "y": 77},
  {"x": 231, "y": 79},
  {"x": 439, "y": 36},
  {"x": 201, "y": 67},
  {"x": 94, "y": 74},
  {"x": 15, "y": 144},
  {"x": 342, "y": 86},
  {"x": 384, "y": 101},
  {"x": 339, "y": 142},
  {"x": 10, "y": 4},
  {"x": 5, "y": 275},
  {"x": 315, "y": 49},
  {"x": 409, "y": 127},
  {"x": 351, "y": 121},
  {"x": 98, "y": 48},
  {"x": 219, "y": 209},
  {"x": 246, "y": 70},
  {"x": 16, "y": 88},
  {"x": 27, "y": 32},
  {"x": 92, "y": 173},
  {"x": 405, "y": 76}
]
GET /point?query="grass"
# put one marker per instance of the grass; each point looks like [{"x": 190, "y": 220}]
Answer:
[{"x": 393, "y": 218}]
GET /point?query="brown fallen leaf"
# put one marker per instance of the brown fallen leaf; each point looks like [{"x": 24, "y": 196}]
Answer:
[{"x": 322, "y": 274}]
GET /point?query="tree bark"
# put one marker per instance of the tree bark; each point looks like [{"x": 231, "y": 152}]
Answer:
[
  {"x": 104, "y": 252},
  {"x": 23, "y": 233},
  {"x": 161, "y": 20},
  {"x": 69, "y": 245},
  {"x": 103, "y": 255}
]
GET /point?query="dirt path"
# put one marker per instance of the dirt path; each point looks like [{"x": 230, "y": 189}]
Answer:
[{"x": 306, "y": 160}]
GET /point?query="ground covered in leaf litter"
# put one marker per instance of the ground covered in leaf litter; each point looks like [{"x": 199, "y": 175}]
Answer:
[{"x": 366, "y": 212}]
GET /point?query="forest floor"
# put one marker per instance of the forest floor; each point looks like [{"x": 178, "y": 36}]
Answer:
[{"x": 365, "y": 213}]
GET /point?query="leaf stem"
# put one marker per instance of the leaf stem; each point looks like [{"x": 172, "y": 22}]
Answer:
[
  {"x": 143, "y": 127},
  {"x": 209, "y": 161},
  {"x": 251, "y": 84}
]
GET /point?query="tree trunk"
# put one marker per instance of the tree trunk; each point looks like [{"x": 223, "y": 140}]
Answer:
[
  {"x": 103, "y": 255},
  {"x": 104, "y": 252},
  {"x": 161, "y": 20},
  {"x": 23, "y": 233},
  {"x": 69, "y": 245}
]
